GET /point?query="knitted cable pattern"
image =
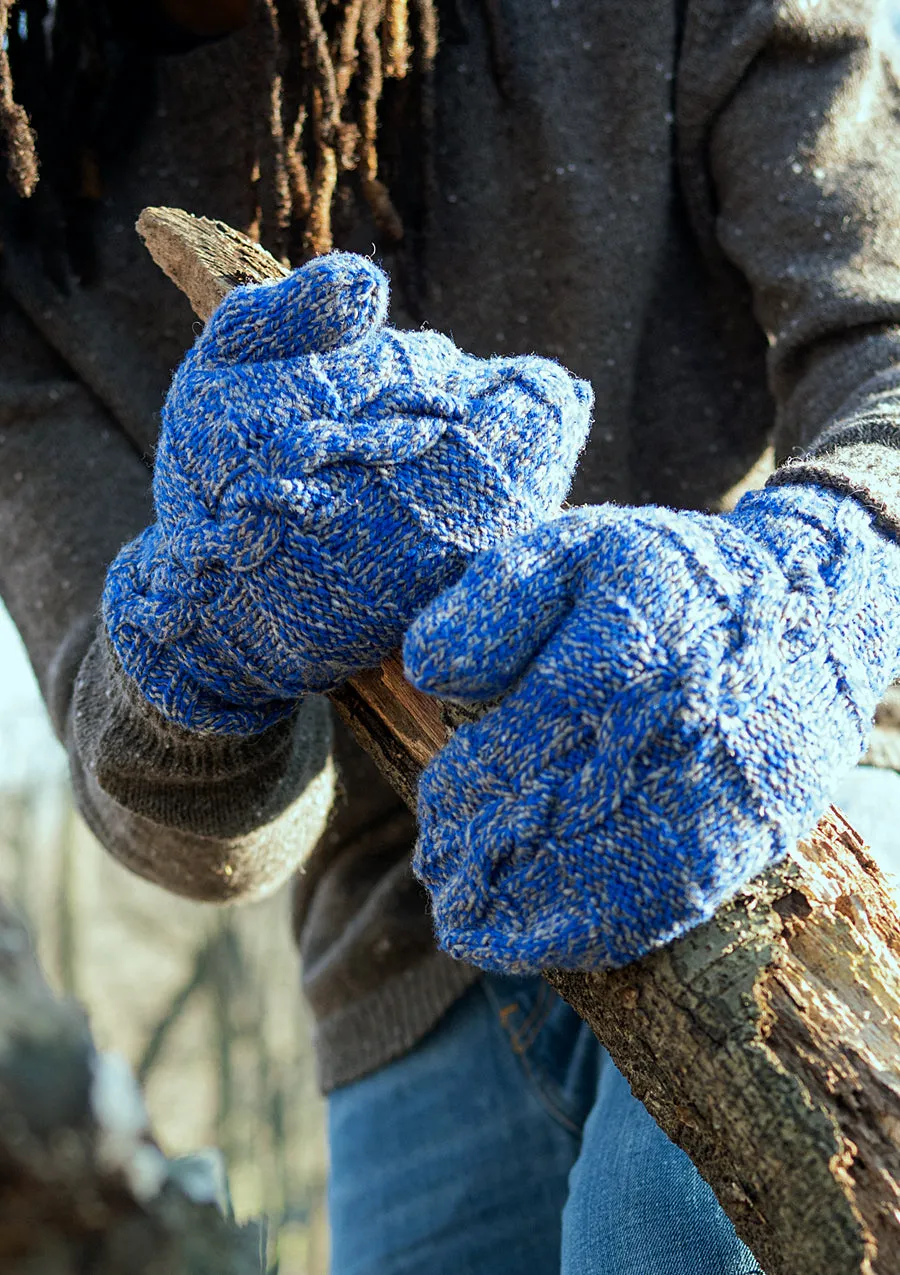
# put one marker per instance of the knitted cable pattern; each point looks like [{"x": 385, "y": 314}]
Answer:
[
  {"x": 686, "y": 690},
  {"x": 320, "y": 477}
]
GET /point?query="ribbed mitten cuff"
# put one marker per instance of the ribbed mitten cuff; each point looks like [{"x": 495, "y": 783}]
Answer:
[
  {"x": 868, "y": 471},
  {"x": 210, "y": 785}
]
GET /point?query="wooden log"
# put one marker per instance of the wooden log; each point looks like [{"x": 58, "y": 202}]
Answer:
[
  {"x": 84, "y": 1190},
  {"x": 767, "y": 1042}
]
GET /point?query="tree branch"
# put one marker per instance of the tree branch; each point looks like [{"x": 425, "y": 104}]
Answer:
[{"x": 767, "y": 1042}]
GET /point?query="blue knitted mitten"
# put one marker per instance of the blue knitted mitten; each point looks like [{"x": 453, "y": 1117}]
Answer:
[
  {"x": 320, "y": 477},
  {"x": 686, "y": 690}
]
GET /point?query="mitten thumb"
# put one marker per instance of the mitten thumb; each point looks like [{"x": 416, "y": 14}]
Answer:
[
  {"x": 477, "y": 638},
  {"x": 332, "y": 301}
]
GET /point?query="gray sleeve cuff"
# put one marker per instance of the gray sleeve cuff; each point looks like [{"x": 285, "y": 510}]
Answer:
[
  {"x": 210, "y": 817},
  {"x": 858, "y": 452},
  {"x": 870, "y": 472}
]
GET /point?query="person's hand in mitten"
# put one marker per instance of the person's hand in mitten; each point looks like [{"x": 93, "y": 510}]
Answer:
[
  {"x": 682, "y": 691},
  {"x": 320, "y": 477}
]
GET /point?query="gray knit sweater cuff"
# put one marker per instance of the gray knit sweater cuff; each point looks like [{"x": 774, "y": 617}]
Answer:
[
  {"x": 858, "y": 453},
  {"x": 866, "y": 471},
  {"x": 213, "y": 786}
]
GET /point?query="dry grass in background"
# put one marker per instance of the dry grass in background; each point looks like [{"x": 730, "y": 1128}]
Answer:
[{"x": 204, "y": 1003}]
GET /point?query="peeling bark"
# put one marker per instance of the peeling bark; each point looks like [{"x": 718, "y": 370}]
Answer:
[{"x": 766, "y": 1043}]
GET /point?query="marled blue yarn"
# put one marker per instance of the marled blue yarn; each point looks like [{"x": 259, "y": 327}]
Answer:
[
  {"x": 320, "y": 477},
  {"x": 687, "y": 690}
]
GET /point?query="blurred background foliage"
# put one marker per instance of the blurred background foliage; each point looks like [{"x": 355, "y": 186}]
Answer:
[{"x": 204, "y": 1002}]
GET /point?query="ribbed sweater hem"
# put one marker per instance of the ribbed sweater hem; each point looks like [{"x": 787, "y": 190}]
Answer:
[{"x": 369, "y": 1032}]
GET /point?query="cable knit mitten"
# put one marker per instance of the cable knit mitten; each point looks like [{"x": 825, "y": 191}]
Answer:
[
  {"x": 320, "y": 477},
  {"x": 687, "y": 689}
]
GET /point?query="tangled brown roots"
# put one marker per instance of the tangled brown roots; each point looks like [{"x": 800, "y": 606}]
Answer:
[
  {"x": 334, "y": 70},
  {"x": 327, "y": 65},
  {"x": 15, "y": 131}
]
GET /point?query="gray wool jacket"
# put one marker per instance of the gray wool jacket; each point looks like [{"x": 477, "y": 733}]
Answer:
[{"x": 693, "y": 203}]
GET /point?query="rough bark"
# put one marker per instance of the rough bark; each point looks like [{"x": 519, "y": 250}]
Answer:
[
  {"x": 83, "y": 1188},
  {"x": 767, "y": 1042},
  {"x": 767, "y": 1045}
]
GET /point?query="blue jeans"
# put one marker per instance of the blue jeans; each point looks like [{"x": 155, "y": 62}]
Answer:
[{"x": 507, "y": 1143}]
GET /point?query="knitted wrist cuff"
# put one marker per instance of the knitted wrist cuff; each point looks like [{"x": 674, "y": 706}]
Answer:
[
  {"x": 158, "y": 673},
  {"x": 869, "y": 472},
  {"x": 223, "y": 754},
  {"x": 211, "y": 785}
]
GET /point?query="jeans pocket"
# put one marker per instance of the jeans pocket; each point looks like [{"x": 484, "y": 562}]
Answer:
[{"x": 558, "y": 1053}]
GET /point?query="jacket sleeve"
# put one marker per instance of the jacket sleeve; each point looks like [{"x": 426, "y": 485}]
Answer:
[
  {"x": 789, "y": 153},
  {"x": 211, "y": 818}
]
